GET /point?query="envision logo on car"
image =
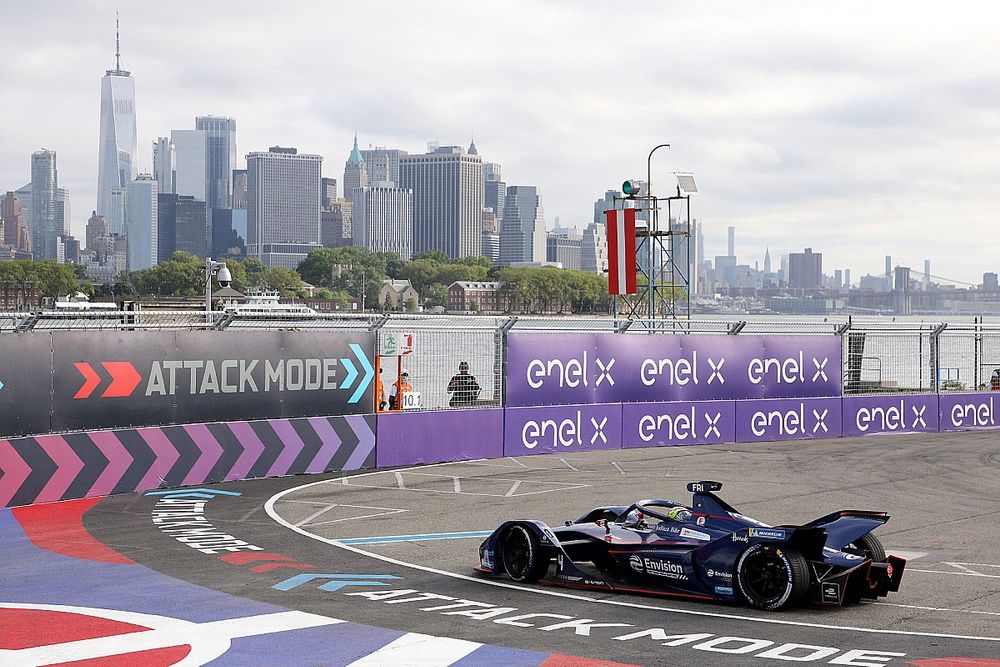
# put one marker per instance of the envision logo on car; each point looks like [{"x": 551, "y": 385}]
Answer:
[{"x": 664, "y": 568}]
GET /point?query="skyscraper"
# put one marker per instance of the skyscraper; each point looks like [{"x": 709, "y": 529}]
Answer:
[
  {"x": 355, "y": 171},
  {"x": 732, "y": 242},
  {"x": 182, "y": 224},
  {"x": 116, "y": 160},
  {"x": 327, "y": 193},
  {"x": 44, "y": 183},
  {"x": 164, "y": 165},
  {"x": 15, "y": 223},
  {"x": 97, "y": 228},
  {"x": 382, "y": 164},
  {"x": 447, "y": 189},
  {"x": 141, "y": 223},
  {"x": 283, "y": 205},
  {"x": 594, "y": 248},
  {"x": 888, "y": 266},
  {"x": 62, "y": 225},
  {"x": 805, "y": 270},
  {"x": 522, "y": 232},
  {"x": 220, "y": 158},
  {"x": 191, "y": 154},
  {"x": 382, "y": 219},
  {"x": 767, "y": 260}
]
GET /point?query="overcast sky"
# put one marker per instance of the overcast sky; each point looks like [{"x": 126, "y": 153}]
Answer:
[{"x": 857, "y": 128}]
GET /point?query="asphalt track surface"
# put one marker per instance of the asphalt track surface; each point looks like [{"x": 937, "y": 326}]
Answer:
[{"x": 370, "y": 548}]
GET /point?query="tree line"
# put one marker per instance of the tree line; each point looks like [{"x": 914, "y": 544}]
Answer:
[{"x": 342, "y": 274}]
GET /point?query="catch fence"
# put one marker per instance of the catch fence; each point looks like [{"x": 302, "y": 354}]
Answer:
[{"x": 879, "y": 356}]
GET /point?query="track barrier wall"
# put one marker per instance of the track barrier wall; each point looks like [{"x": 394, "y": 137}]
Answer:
[{"x": 566, "y": 393}]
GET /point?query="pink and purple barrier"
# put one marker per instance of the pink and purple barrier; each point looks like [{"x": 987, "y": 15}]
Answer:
[
  {"x": 46, "y": 468},
  {"x": 407, "y": 438}
]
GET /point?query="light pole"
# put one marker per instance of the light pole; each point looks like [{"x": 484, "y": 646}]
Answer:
[{"x": 225, "y": 278}]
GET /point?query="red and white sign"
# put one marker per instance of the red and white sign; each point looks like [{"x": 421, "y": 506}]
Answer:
[{"x": 621, "y": 251}]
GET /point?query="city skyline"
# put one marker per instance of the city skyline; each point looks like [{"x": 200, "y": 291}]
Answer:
[{"x": 802, "y": 132}]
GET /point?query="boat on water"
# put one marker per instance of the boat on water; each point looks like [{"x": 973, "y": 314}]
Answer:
[{"x": 265, "y": 302}]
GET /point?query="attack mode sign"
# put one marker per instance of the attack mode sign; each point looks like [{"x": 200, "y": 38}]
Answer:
[
  {"x": 128, "y": 379},
  {"x": 564, "y": 369}
]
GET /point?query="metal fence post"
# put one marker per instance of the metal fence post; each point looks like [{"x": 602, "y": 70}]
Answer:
[
  {"x": 935, "y": 357},
  {"x": 501, "y": 338}
]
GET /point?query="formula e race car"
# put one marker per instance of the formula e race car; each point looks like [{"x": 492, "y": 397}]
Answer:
[{"x": 708, "y": 551}]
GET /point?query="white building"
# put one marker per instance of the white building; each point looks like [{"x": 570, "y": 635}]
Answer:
[
  {"x": 447, "y": 189},
  {"x": 164, "y": 165},
  {"x": 382, "y": 219},
  {"x": 283, "y": 203},
  {"x": 141, "y": 226},
  {"x": 116, "y": 160},
  {"x": 594, "y": 248},
  {"x": 522, "y": 232},
  {"x": 190, "y": 156}
]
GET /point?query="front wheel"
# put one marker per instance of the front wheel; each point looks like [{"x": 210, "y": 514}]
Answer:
[
  {"x": 867, "y": 546},
  {"x": 772, "y": 577},
  {"x": 521, "y": 555}
]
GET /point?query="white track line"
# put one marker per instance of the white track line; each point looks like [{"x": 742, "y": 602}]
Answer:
[{"x": 269, "y": 508}]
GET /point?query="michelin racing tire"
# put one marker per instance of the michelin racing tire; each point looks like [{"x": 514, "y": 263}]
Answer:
[
  {"x": 521, "y": 554},
  {"x": 772, "y": 577}
]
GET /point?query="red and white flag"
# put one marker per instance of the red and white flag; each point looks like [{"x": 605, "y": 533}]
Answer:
[{"x": 621, "y": 251}]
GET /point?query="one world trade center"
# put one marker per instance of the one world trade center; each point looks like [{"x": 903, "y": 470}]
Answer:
[{"x": 116, "y": 167}]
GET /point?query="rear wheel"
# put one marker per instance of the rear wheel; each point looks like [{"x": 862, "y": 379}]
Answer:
[
  {"x": 521, "y": 555},
  {"x": 867, "y": 546},
  {"x": 772, "y": 577}
]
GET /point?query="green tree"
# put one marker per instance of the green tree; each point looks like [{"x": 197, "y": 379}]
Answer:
[
  {"x": 435, "y": 256},
  {"x": 437, "y": 295},
  {"x": 410, "y": 305},
  {"x": 285, "y": 281},
  {"x": 256, "y": 272}
]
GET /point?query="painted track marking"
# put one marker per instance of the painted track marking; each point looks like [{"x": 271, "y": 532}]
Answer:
[
  {"x": 420, "y": 537},
  {"x": 269, "y": 508}
]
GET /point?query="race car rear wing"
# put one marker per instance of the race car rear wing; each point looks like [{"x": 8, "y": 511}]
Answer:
[{"x": 706, "y": 502}]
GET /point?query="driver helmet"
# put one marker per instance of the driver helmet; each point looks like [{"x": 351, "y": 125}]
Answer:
[{"x": 680, "y": 514}]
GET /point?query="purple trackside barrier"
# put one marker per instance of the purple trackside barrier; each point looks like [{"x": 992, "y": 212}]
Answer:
[
  {"x": 898, "y": 413},
  {"x": 562, "y": 429},
  {"x": 678, "y": 423},
  {"x": 961, "y": 412},
  {"x": 564, "y": 369},
  {"x": 788, "y": 419},
  {"x": 406, "y": 438}
]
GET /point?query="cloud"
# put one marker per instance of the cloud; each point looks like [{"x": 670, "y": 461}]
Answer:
[{"x": 859, "y": 129}]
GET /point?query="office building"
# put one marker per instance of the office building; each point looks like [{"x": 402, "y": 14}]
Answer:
[
  {"x": 182, "y": 224},
  {"x": 240, "y": 188},
  {"x": 732, "y": 242},
  {"x": 494, "y": 196},
  {"x": 491, "y": 246},
  {"x": 888, "y": 266},
  {"x": 97, "y": 228},
  {"x": 594, "y": 248},
  {"x": 382, "y": 219},
  {"x": 327, "y": 193},
  {"x": 228, "y": 239},
  {"x": 522, "y": 231},
  {"x": 447, "y": 189},
  {"x": 355, "y": 171},
  {"x": 164, "y": 165},
  {"x": 44, "y": 183},
  {"x": 927, "y": 275},
  {"x": 190, "y": 163},
  {"x": 990, "y": 283},
  {"x": 767, "y": 260},
  {"x": 847, "y": 278},
  {"x": 15, "y": 226},
  {"x": 382, "y": 164},
  {"x": 141, "y": 223},
  {"x": 336, "y": 224},
  {"x": 606, "y": 203},
  {"x": 116, "y": 212},
  {"x": 283, "y": 203},
  {"x": 805, "y": 270},
  {"x": 220, "y": 159},
  {"x": 117, "y": 150},
  {"x": 565, "y": 247},
  {"x": 492, "y": 171}
]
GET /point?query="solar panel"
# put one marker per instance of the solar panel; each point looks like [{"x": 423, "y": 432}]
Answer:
[{"x": 685, "y": 181}]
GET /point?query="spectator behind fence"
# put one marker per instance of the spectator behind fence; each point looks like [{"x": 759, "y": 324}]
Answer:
[
  {"x": 379, "y": 392},
  {"x": 463, "y": 387},
  {"x": 399, "y": 387}
]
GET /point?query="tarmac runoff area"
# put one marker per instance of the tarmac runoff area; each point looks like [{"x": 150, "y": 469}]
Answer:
[{"x": 395, "y": 549}]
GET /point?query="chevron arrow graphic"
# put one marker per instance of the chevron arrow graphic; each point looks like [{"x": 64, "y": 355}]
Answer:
[
  {"x": 90, "y": 380},
  {"x": 369, "y": 373},
  {"x": 337, "y": 581},
  {"x": 352, "y": 372},
  {"x": 124, "y": 379}
]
